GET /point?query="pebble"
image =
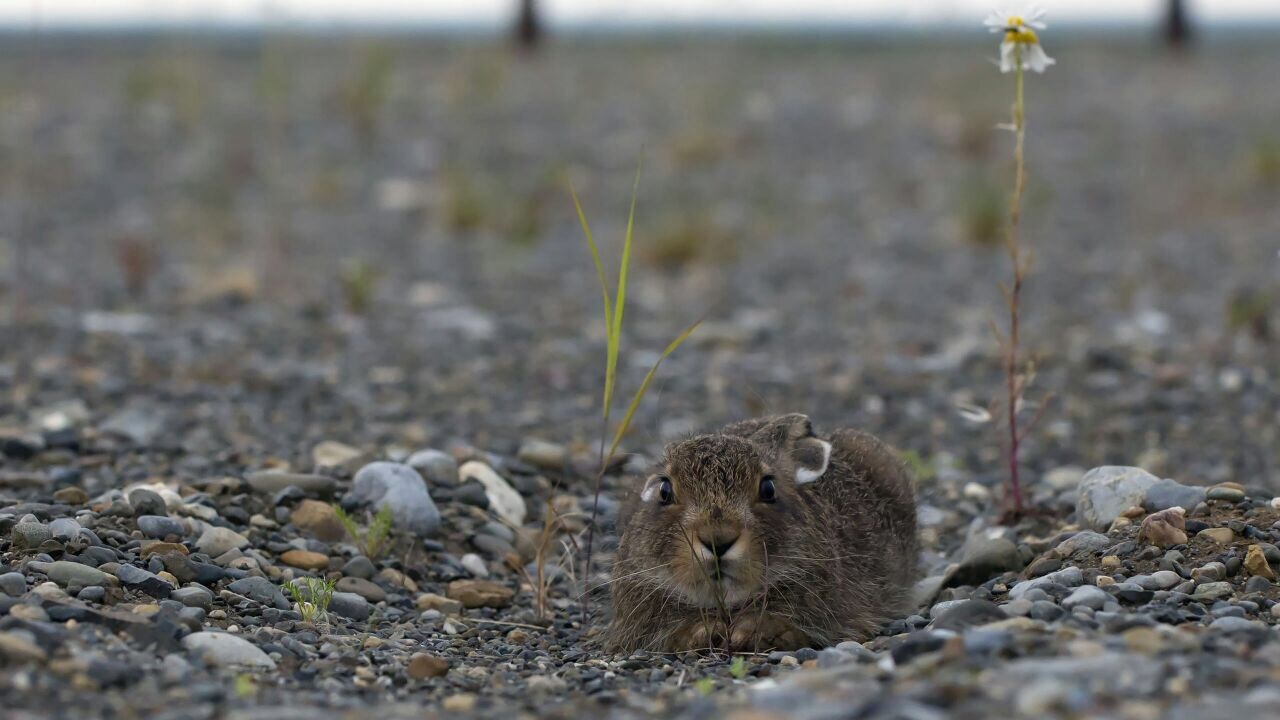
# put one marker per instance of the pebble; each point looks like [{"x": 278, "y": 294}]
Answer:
[
  {"x": 474, "y": 564},
  {"x": 1087, "y": 595},
  {"x": 193, "y": 596},
  {"x": 1255, "y": 561},
  {"x": 364, "y": 588},
  {"x": 147, "y": 502},
  {"x": 138, "y": 579},
  {"x": 217, "y": 541},
  {"x": 435, "y": 466},
  {"x": 67, "y": 573},
  {"x": 543, "y": 455},
  {"x": 26, "y": 535},
  {"x": 401, "y": 488},
  {"x": 350, "y": 605},
  {"x": 423, "y": 666},
  {"x": 305, "y": 559},
  {"x": 1106, "y": 492},
  {"x": 1212, "y": 591},
  {"x": 261, "y": 590},
  {"x": 1070, "y": 577},
  {"x": 1225, "y": 493},
  {"x": 160, "y": 527},
  {"x": 1219, "y": 535},
  {"x": 13, "y": 584},
  {"x": 480, "y": 593},
  {"x": 226, "y": 650},
  {"x": 503, "y": 499},
  {"x": 1086, "y": 541},
  {"x": 319, "y": 519},
  {"x": 1165, "y": 494},
  {"x": 271, "y": 482}
]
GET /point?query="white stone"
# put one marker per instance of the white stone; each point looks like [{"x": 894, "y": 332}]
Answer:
[{"x": 503, "y": 499}]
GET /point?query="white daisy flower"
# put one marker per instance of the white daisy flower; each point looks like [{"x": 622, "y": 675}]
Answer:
[{"x": 1020, "y": 40}]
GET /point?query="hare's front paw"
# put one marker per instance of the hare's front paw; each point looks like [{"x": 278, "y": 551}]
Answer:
[
  {"x": 756, "y": 632},
  {"x": 700, "y": 634}
]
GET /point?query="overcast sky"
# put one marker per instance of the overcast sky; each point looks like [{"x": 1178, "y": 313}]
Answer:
[{"x": 52, "y": 13}]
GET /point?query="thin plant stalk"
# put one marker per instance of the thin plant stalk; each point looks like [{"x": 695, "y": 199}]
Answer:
[{"x": 1013, "y": 294}]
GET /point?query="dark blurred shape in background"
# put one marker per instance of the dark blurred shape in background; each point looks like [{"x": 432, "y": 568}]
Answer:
[
  {"x": 1177, "y": 25},
  {"x": 528, "y": 25}
]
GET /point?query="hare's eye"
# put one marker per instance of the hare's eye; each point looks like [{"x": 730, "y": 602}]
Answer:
[
  {"x": 768, "y": 489},
  {"x": 666, "y": 495}
]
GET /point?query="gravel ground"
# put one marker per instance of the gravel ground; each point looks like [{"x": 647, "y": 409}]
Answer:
[{"x": 252, "y": 279}]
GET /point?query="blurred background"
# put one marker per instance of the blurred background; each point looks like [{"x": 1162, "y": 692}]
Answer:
[{"x": 238, "y": 228}]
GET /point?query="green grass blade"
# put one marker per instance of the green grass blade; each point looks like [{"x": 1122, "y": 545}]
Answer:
[
  {"x": 644, "y": 387},
  {"x": 611, "y": 352},
  {"x": 620, "y": 302}
]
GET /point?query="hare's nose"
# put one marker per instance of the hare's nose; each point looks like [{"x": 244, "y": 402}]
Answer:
[{"x": 718, "y": 542}]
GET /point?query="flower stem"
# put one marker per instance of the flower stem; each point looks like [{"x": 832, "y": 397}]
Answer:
[{"x": 1015, "y": 292}]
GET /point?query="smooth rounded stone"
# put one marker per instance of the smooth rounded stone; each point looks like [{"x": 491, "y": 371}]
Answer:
[
  {"x": 338, "y": 456},
  {"x": 1043, "y": 566},
  {"x": 65, "y": 528},
  {"x": 66, "y": 573},
  {"x": 503, "y": 499},
  {"x": 160, "y": 527},
  {"x": 492, "y": 546},
  {"x": 1219, "y": 535},
  {"x": 362, "y": 587},
  {"x": 73, "y": 496},
  {"x": 1159, "y": 580},
  {"x": 93, "y": 594},
  {"x": 983, "y": 558},
  {"x": 543, "y": 455},
  {"x": 1131, "y": 592},
  {"x": 1087, "y": 541},
  {"x": 1209, "y": 572},
  {"x": 1045, "y": 611},
  {"x": 1165, "y": 494},
  {"x": 147, "y": 502},
  {"x": 961, "y": 614},
  {"x": 480, "y": 593},
  {"x": 1089, "y": 596},
  {"x": 1212, "y": 591},
  {"x": 136, "y": 578},
  {"x": 401, "y": 488},
  {"x": 216, "y": 541},
  {"x": 1107, "y": 491},
  {"x": 1257, "y": 584},
  {"x": 271, "y": 482},
  {"x": 473, "y": 494},
  {"x": 1067, "y": 577},
  {"x": 1232, "y": 624},
  {"x": 1225, "y": 493},
  {"x": 193, "y": 596},
  {"x": 474, "y": 564},
  {"x": 833, "y": 657},
  {"x": 319, "y": 519},
  {"x": 261, "y": 590},
  {"x": 1224, "y": 610},
  {"x": 226, "y": 650},
  {"x": 305, "y": 559},
  {"x": 13, "y": 584},
  {"x": 17, "y": 649},
  {"x": 28, "y": 535},
  {"x": 436, "y": 466},
  {"x": 360, "y": 567},
  {"x": 423, "y": 666},
  {"x": 1017, "y": 608},
  {"x": 350, "y": 605}
]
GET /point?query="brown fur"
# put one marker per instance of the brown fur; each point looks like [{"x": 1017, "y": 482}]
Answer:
[{"x": 829, "y": 560}]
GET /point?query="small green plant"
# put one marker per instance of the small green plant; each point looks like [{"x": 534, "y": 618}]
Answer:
[
  {"x": 359, "y": 285},
  {"x": 311, "y": 596},
  {"x": 738, "y": 668},
  {"x": 373, "y": 540},
  {"x": 245, "y": 687},
  {"x": 704, "y": 686},
  {"x": 613, "y": 309}
]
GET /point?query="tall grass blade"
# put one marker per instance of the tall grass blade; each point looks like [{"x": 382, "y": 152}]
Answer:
[
  {"x": 611, "y": 337},
  {"x": 644, "y": 387},
  {"x": 621, "y": 300}
]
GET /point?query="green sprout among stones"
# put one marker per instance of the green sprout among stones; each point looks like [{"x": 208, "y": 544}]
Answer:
[
  {"x": 311, "y": 596},
  {"x": 374, "y": 540}
]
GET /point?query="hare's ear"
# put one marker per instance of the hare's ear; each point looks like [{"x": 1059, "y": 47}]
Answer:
[
  {"x": 793, "y": 436},
  {"x": 811, "y": 457}
]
